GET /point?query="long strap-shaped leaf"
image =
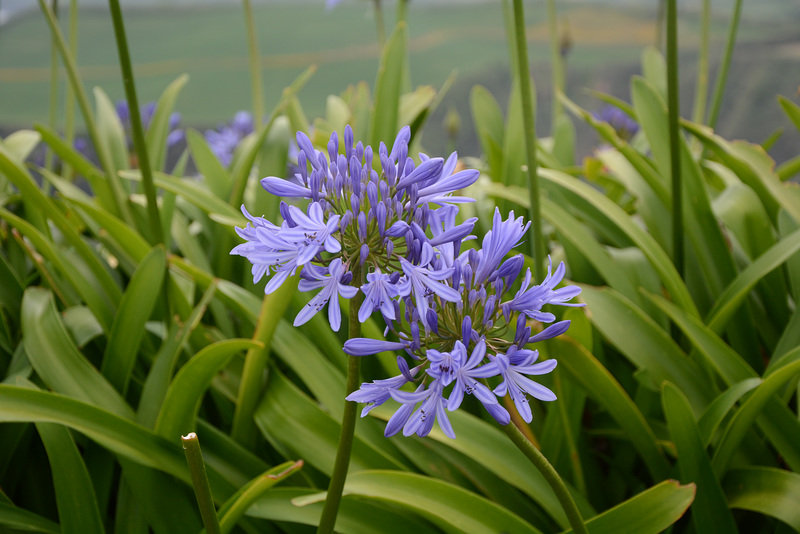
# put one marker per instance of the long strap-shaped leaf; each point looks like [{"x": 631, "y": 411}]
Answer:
[
  {"x": 768, "y": 491},
  {"x": 710, "y": 512},
  {"x": 116, "y": 433},
  {"x": 57, "y": 361},
  {"x": 658, "y": 258},
  {"x": 605, "y": 389},
  {"x": 28, "y": 188},
  {"x": 75, "y": 495}
]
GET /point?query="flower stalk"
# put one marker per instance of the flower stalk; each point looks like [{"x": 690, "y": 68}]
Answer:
[
  {"x": 255, "y": 64},
  {"x": 528, "y": 118},
  {"x": 674, "y": 136},
  {"x": 551, "y": 476},
  {"x": 336, "y": 487},
  {"x": 202, "y": 490},
  {"x": 157, "y": 236}
]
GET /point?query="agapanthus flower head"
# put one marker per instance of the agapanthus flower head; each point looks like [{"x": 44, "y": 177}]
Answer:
[
  {"x": 624, "y": 125},
  {"x": 224, "y": 140},
  {"x": 146, "y": 114},
  {"x": 469, "y": 330},
  {"x": 373, "y": 211}
]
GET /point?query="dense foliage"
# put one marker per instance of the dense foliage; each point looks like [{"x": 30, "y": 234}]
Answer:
[{"x": 124, "y": 327}]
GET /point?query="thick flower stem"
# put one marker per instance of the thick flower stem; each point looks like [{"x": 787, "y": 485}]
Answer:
[
  {"x": 197, "y": 468},
  {"x": 255, "y": 64},
  {"x": 157, "y": 236},
  {"x": 674, "y": 135},
  {"x": 528, "y": 117},
  {"x": 328, "y": 519},
  {"x": 550, "y": 475}
]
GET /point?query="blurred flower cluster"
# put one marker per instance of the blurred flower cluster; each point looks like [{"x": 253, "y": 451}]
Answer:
[
  {"x": 146, "y": 112},
  {"x": 624, "y": 125},
  {"x": 224, "y": 140},
  {"x": 380, "y": 224}
]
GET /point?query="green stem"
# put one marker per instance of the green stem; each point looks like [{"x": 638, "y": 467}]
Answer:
[
  {"x": 255, "y": 64},
  {"x": 255, "y": 363},
  {"x": 722, "y": 75},
  {"x": 49, "y": 157},
  {"x": 197, "y": 468},
  {"x": 550, "y": 475},
  {"x": 528, "y": 117},
  {"x": 701, "y": 88},
  {"x": 674, "y": 139},
  {"x": 120, "y": 201},
  {"x": 328, "y": 518},
  {"x": 69, "y": 94},
  {"x": 557, "y": 62},
  {"x": 380, "y": 28},
  {"x": 157, "y": 236},
  {"x": 574, "y": 458}
]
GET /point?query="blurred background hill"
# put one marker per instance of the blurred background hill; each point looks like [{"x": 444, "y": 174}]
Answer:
[{"x": 205, "y": 38}]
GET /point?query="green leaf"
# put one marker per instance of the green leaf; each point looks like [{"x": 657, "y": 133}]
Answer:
[
  {"x": 110, "y": 130},
  {"x": 235, "y": 508},
  {"x": 655, "y": 254},
  {"x": 158, "y": 379},
  {"x": 356, "y": 515},
  {"x": 388, "y": 85},
  {"x": 654, "y": 68},
  {"x": 81, "y": 164},
  {"x": 157, "y": 132},
  {"x": 791, "y": 109},
  {"x": 21, "y": 519},
  {"x": 299, "y": 428},
  {"x": 450, "y": 507},
  {"x": 113, "y": 432},
  {"x": 214, "y": 174},
  {"x": 75, "y": 497},
  {"x": 31, "y": 192},
  {"x": 57, "y": 361},
  {"x": 182, "y": 400},
  {"x": 605, "y": 390},
  {"x": 88, "y": 291},
  {"x": 82, "y": 325},
  {"x": 753, "y": 166},
  {"x": 415, "y": 104},
  {"x": 135, "y": 308},
  {"x": 479, "y": 439},
  {"x": 768, "y": 491},
  {"x": 747, "y": 414},
  {"x": 564, "y": 140},
  {"x": 713, "y": 416},
  {"x": 646, "y": 344},
  {"x": 730, "y": 365},
  {"x": 733, "y": 296},
  {"x": 490, "y": 127},
  {"x": 709, "y": 510},
  {"x": 193, "y": 192},
  {"x": 22, "y": 142},
  {"x": 651, "y": 511}
]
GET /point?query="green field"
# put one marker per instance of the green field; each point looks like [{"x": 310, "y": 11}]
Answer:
[{"x": 209, "y": 44}]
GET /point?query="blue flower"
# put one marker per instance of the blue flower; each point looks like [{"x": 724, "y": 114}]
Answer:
[
  {"x": 624, "y": 125},
  {"x": 420, "y": 422},
  {"x": 466, "y": 376},
  {"x": 330, "y": 283},
  {"x": 504, "y": 236},
  {"x": 224, "y": 140},
  {"x": 379, "y": 294},
  {"x": 530, "y": 301},
  {"x": 379, "y": 391},
  {"x": 423, "y": 282},
  {"x": 513, "y": 366}
]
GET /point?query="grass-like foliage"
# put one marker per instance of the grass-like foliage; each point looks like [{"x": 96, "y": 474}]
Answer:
[{"x": 125, "y": 324}]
